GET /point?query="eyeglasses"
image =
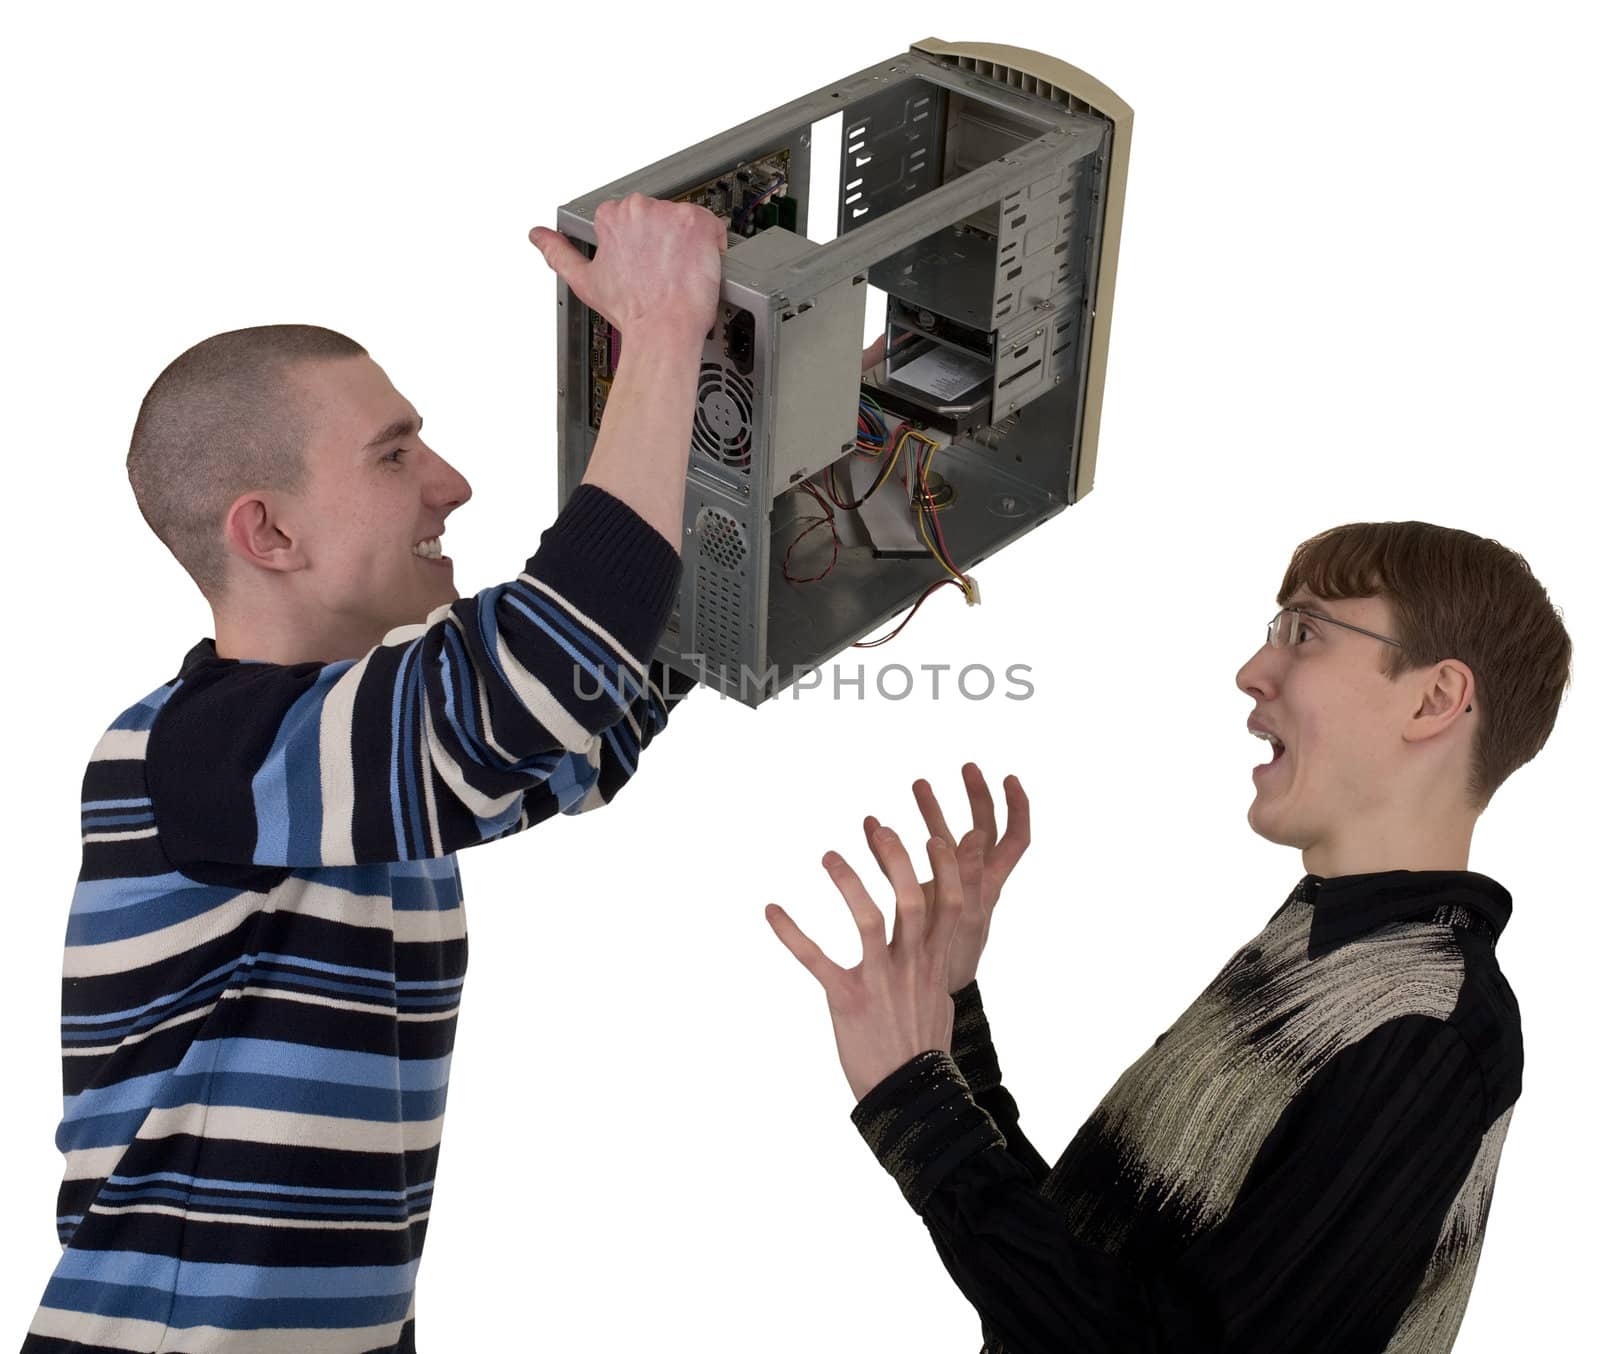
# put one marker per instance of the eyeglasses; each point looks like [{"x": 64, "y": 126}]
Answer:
[{"x": 1286, "y": 628}]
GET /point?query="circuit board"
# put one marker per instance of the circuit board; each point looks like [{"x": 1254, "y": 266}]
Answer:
[
  {"x": 749, "y": 198},
  {"x": 739, "y": 196}
]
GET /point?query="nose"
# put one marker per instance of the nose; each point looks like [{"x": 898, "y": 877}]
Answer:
[
  {"x": 449, "y": 488},
  {"x": 1256, "y": 677}
]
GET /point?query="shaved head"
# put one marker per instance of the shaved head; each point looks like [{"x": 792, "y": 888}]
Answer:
[{"x": 223, "y": 419}]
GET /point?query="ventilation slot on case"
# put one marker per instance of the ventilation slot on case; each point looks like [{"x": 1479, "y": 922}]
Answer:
[
  {"x": 721, "y": 539},
  {"x": 722, "y": 417},
  {"x": 718, "y": 603}
]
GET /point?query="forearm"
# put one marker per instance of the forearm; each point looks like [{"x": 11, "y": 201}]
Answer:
[
  {"x": 493, "y": 715},
  {"x": 1010, "y": 1250},
  {"x": 974, "y": 1054},
  {"x": 1376, "y": 1173},
  {"x": 626, "y": 740},
  {"x": 641, "y": 455}
]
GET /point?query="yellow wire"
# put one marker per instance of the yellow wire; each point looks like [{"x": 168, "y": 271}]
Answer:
[
  {"x": 922, "y": 529},
  {"x": 908, "y": 435},
  {"x": 881, "y": 476}
]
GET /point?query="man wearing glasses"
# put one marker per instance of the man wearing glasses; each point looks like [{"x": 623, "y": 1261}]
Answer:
[{"x": 1305, "y": 1159}]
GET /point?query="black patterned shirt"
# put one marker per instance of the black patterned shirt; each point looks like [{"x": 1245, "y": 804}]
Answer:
[{"x": 1303, "y": 1161}]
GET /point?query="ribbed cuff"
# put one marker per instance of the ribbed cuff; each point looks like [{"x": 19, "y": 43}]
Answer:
[
  {"x": 611, "y": 565},
  {"x": 672, "y": 685},
  {"x": 921, "y": 1123},
  {"x": 970, "y": 1045}
]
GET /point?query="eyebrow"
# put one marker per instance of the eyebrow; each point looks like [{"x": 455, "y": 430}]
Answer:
[
  {"x": 1310, "y": 604},
  {"x": 401, "y": 427}
]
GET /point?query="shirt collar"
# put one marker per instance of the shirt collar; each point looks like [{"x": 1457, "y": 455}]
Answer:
[
  {"x": 204, "y": 651},
  {"x": 1349, "y": 906}
]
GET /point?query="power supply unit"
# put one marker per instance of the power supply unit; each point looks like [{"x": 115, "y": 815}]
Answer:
[{"x": 979, "y": 188}]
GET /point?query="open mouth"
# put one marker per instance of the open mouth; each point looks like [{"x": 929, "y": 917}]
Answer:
[
  {"x": 430, "y": 552},
  {"x": 1277, "y": 750}
]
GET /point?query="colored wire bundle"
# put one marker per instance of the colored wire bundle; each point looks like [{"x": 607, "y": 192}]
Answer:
[
  {"x": 926, "y": 513},
  {"x": 874, "y": 440},
  {"x": 884, "y": 471},
  {"x": 871, "y": 432}
]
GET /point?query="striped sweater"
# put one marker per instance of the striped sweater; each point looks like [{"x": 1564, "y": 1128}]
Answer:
[
  {"x": 1304, "y": 1161},
  {"x": 266, "y": 946}
]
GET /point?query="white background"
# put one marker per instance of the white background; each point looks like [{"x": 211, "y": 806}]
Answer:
[{"x": 1357, "y": 282}]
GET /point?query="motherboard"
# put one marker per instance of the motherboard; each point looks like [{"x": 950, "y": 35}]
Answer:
[{"x": 749, "y": 198}]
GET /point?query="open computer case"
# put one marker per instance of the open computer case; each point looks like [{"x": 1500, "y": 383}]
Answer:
[{"x": 978, "y": 187}]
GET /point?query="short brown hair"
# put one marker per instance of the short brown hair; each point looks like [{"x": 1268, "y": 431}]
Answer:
[
  {"x": 219, "y": 421},
  {"x": 1455, "y": 595}
]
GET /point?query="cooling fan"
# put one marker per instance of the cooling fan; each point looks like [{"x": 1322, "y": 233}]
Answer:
[{"x": 722, "y": 416}]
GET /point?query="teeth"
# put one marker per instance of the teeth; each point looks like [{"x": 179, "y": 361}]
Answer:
[
  {"x": 428, "y": 549},
  {"x": 1271, "y": 738}
]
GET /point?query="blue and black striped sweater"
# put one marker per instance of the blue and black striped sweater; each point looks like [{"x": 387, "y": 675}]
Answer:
[{"x": 266, "y": 946}]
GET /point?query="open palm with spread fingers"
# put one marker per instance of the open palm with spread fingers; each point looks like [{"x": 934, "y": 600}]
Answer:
[
  {"x": 984, "y": 860},
  {"x": 895, "y": 1003}
]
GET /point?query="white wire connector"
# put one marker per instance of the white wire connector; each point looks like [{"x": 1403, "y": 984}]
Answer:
[{"x": 972, "y": 591}]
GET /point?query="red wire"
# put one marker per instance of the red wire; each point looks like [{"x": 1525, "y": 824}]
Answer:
[
  {"x": 927, "y": 593},
  {"x": 827, "y": 481},
  {"x": 902, "y": 429},
  {"x": 815, "y": 523}
]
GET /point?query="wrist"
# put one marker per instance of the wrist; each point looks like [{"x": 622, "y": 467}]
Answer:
[
  {"x": 665, "y": 333},
  {"x": 971, "y": 1046},
  {"x": 865, "y": 1078},
  {"x": 921, "y": 1122}
]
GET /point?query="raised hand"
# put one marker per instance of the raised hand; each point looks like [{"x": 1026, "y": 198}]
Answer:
[
  {"x": 655, "y": 263},
  {"x": 895, "y": 1003},
  {"x": 984, "y": 859}
]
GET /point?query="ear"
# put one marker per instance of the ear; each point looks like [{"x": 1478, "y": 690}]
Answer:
[
  {"x": 256, "y": 537},
  {"x": 1446, "y": 696}
]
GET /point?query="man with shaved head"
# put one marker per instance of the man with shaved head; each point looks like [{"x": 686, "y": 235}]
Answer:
[{"x": 266, "y": 945}]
